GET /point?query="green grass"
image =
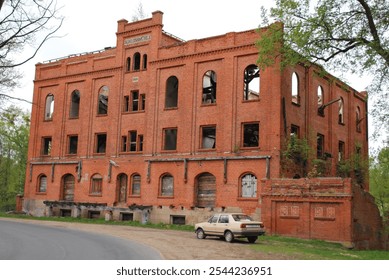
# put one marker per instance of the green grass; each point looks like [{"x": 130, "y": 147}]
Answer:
[{"x": 288, "y": 248}]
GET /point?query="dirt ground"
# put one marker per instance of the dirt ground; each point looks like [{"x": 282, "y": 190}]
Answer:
[{"x": 173, "y": 245}]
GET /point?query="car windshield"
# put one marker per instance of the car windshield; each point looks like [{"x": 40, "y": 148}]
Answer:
[{"x": 239, "y": 217}]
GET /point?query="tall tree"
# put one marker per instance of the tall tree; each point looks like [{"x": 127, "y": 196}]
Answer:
[
  {"x": 23, "y": 23},
  {"x": 379, "y": 181},
  {"x": 14, "y": 133},
  {"x": 343, "y": 36}
]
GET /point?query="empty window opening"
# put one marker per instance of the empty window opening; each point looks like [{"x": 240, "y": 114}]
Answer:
[
  {"x": 126, "y": 103},
  {"x": 42, "y": 187},
  {"x": 101, "y": 143},
  {"x": 96, "y": 184},
  {"x": 295, "y": 131},
  {"x": 126, "y": 216},
  {"x": 124, "y": 144},
  {"x": 128, "y": 64},
  {"x": 251, "y": 82},
  {"x": 249, "y": 186},
  {"x": 167, "y": 185},
  {"x": 341, "y": 111},
  {"x": 137, "y": 61},
  {"x": 171, "y": 99},
  {"x": 251, "y": 135},
  {"x": 170, "y": 139},
  {"x": 320, "y": 101},
  {"x": 208, "y": 137},
  {"x": 47, "y": 145},
  {"x": 121, "y": 187},
  {"x": 209, "y": 87},
  {"x": 75, "y": 104},
  {"x": 320, "y": 146},
  {"x": 65, "y": 212},
  {"x": 103, "y": 100},
  {"x": 358, "y": 119},
  {"x": 94, "y": 214},
  {"x": 49, "y": 108},
  {"x": 295, "y": 89},
  {"x": 134, "y": 102},
  {"x": 144, "y": 64},
  {"x": 135, "y": 184},
  {"x": 341, "y": 150},
  {"x": 177, "y": 220},
  {"x": 73, "y": 143},
  {"x": 133, "y": 141}
]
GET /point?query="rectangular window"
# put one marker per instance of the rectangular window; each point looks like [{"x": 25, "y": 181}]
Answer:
[
  {"x": 135, "y": 185},
  {"x": 46, "y": 146},
  {"x": 341, "y": 149},
  {"x": 135, "y": 101},
  {"x": 96, "y": 185},
  {"x": 101, "y": 143},
  {"x": 72, "y": 146},
  {"x": 250, "y": 135},
  {"x": 133, "y": 138},
  {"x": 208, "y": 137},
  {"x": 124, "y": 144},
  {"x": 320, "y": 145},
  {"x": 170, "y": 139},
  {"x": 126, "y": 103},
  {"x": 295, "y": 131}
]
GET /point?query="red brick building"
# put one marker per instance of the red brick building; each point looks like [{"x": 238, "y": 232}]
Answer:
[{"x": 165, "y": 130}]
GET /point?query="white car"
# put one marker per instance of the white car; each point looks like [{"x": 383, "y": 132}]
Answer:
[{"x": 230, "y": 226}]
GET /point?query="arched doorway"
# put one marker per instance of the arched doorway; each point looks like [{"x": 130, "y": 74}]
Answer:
[
  {"x": 205, "y": 190},
  {"x": 121, "y": 188},
  {"x": 68, "y": 187}
]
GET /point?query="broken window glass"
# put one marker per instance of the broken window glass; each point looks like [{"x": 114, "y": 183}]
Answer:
[
  {"x": 251, "y": 135},
  {"x": 208, "y": 136},
  {"x": 75, "y": 104},
  {"x": 341, "y": 111},
  {"x": 103, "y": 100},
  {"x": 251, "y": 82},
  {"x": 249, "y": 186},
  {"x": 73, "y": 143},
  {"x": 167, "y": 187},
  {"x": 171, "y": 98},
  {"x": 170, "y": 139},
  {"x": 101, "y": 143},
  {"x": 209, "y": 87},
  {"x": 49, "y": 109},
  {"x": 47, "y": 145}
]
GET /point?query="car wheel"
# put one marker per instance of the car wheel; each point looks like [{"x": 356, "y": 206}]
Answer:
[
  {"x": 200, "y": 234},
  {"x": 252, "y": 239},
  {"x": 229, "y": 236}
]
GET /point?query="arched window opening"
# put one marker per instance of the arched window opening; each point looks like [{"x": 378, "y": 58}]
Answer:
[
  {"x": 42, "y": 183},
  {"x": 251, "y": 82},
  {"x": 358, "y": 119},
  {"x": 103, "y": 100},
  {"x": 144, "y": 66},
  {"x": 295, "y": 89},
  {"x": 248, "y": 184},
  {"x": 137, "y": 61},
  {"x": 49, "y": 108},
  {"x": 167, "y": 185},
  {"x": 128, "y": 64},
  {"x": 171, "y": 98},
  {"x": 135, "y": 184},
  {"x": 209, "y": 87},
  {"x": 122, "y": 188},
  {"x": 75, "y": 104},
  {"x": 320, "y": 101},
  {"x": 205, "y": 190},
  {"x": 341, "y": 111},
  {"x": 68, "y": 182}
]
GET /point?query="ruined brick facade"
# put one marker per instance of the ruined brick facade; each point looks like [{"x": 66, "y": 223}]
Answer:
[{"x": 165, "y": 130}]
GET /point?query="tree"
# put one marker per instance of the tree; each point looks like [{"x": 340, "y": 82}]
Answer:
[
  {"x": 14, "y": 133},
  {"x": 139, "y": 14},
  {"x": 23, "y": 23},
  {"x": 343, "y": 36},
  {"x": 379, "y": 180}
]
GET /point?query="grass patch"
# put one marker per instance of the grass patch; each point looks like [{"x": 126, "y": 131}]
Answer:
[{"x": 301, "y": 249}]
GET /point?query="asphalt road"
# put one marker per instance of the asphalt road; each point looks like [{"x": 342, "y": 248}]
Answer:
[{"x": 20, "y": 241}]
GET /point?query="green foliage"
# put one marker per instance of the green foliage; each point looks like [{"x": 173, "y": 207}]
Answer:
[
  {"x": 342, "y": 36},
  {"x": 14, "y": 133},
  {"x": 379, "y": 181}
]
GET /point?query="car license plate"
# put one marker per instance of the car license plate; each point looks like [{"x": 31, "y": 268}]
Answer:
[{"x": 252, "y": 226}]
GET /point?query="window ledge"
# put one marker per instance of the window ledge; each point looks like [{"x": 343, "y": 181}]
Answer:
[
  {"x": 41, "y": 193},
  {"x": 207, "y": 104},
  {"x": 251, "y": 100},
  {"x": 96, "y": 195},
  {"x": 132, "y": 112},
  {"x": 134, "y": 195},
  {"x": 165, "y": 197},
  {"x": 247, "y": 198}
]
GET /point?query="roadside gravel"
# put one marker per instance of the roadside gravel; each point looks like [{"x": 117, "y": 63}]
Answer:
[{"x": 172, "y": 244}]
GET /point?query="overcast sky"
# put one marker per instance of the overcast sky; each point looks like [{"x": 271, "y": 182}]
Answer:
[{"x": 91, "y": 25}]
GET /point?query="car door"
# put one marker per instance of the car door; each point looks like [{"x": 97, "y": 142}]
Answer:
[
  {"x": 222, "y": 224},
  {"x": 210, "y": 227}
]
